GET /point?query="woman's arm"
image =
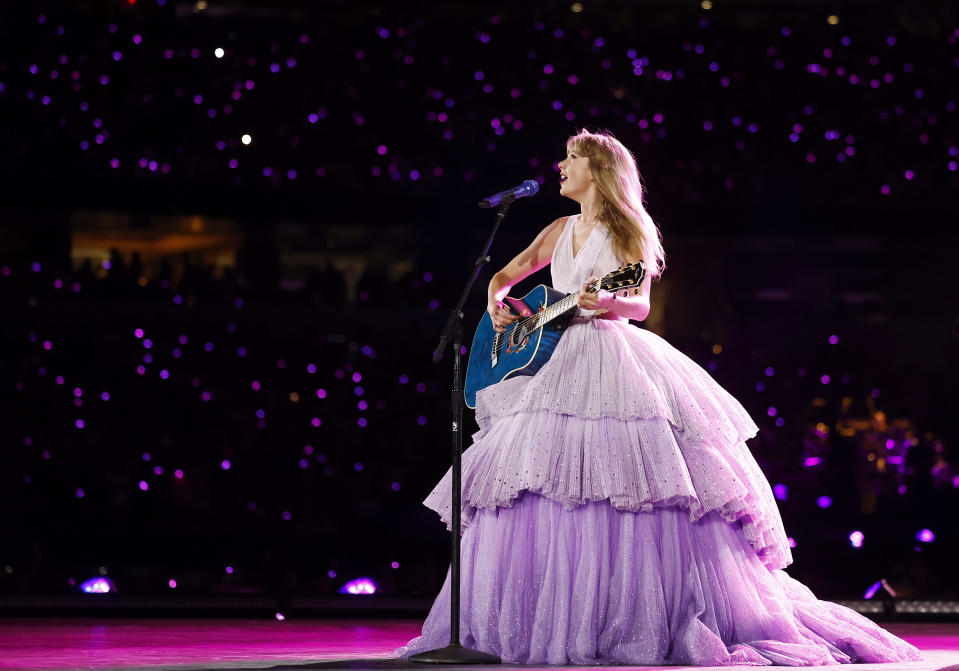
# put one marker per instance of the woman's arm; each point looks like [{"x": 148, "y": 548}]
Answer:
[
  {"x": 527, "y": 262},
  {"x": 625, "y": 303}
]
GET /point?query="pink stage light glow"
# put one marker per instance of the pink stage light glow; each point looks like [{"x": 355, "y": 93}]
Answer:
[
  {"x": 359, "y": 586},
  {"x": 98, "y": 585}
]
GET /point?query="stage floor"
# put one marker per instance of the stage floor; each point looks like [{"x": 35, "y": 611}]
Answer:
[{"x": 47, "y": 643}]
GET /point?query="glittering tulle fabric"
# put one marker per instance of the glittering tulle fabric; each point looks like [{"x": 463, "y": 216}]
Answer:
[
  {"x": 617, "y": 413},
  {"x": 612, "y": 514},
  {"x": 595, "y": 585}
]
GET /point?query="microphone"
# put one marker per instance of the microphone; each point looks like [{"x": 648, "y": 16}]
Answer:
[{"x": 528, "y": 188}]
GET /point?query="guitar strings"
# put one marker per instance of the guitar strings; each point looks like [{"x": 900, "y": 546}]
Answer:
[{"x": 529, "y": 320}]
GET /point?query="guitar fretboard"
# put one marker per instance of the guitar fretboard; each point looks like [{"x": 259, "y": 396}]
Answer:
[{"x": 558, "y": 308}]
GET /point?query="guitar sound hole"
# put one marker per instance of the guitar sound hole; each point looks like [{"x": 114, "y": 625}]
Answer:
[{"x": 518, "y": 338}]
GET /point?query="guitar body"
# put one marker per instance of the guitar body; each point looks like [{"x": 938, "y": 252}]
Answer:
[{"x": 521, "y": 350}]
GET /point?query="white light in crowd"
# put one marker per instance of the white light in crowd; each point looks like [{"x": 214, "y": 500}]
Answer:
[
  {"x": 359, "y": 586},
  {"x": 98, "y": 585},
  {"x": 246, "y": 138},
  {"x": 218, "y": 52}
]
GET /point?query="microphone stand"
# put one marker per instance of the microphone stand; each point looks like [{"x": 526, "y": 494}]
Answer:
[{"x": 455, "y": 653}]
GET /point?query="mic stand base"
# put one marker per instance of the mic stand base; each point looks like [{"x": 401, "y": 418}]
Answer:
[{"x": 455, "y": 653}]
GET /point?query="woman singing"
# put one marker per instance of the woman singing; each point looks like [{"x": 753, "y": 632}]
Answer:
[{"x": 612, "y": 513}]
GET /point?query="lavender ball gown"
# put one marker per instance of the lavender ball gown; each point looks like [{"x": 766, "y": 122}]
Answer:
[{"x": 612, "y": 514}]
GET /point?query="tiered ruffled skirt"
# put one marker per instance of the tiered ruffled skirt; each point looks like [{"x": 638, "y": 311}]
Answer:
[{"x": 612, "y": 514}]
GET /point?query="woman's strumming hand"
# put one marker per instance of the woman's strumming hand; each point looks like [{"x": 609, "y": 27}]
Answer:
[{"x": 500, "y": 315}]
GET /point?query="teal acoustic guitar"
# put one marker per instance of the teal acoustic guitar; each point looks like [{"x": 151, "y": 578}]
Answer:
[{"x": 529, "y": 342}]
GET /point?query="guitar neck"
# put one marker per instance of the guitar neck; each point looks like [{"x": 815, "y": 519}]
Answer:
[
  {"x": 568, "y": 302},
  {"x": 560, "y": 307}
]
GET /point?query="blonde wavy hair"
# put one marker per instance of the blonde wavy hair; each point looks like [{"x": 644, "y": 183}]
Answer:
[{"x": 613, "y": 169}]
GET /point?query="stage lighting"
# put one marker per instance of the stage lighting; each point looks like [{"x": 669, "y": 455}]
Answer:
[
  {"x": 98, "y": 585},
  {"x": 359, "y": 586}
]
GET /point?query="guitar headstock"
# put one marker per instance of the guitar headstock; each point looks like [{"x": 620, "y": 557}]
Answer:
[{"x": 626, "y": 277}]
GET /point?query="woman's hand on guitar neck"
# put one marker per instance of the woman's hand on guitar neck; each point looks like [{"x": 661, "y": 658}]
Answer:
[
  {"x": 501, "y": 316},
  {"x": 634, "y": 306},
  {"x": 594, "y": 300}
]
